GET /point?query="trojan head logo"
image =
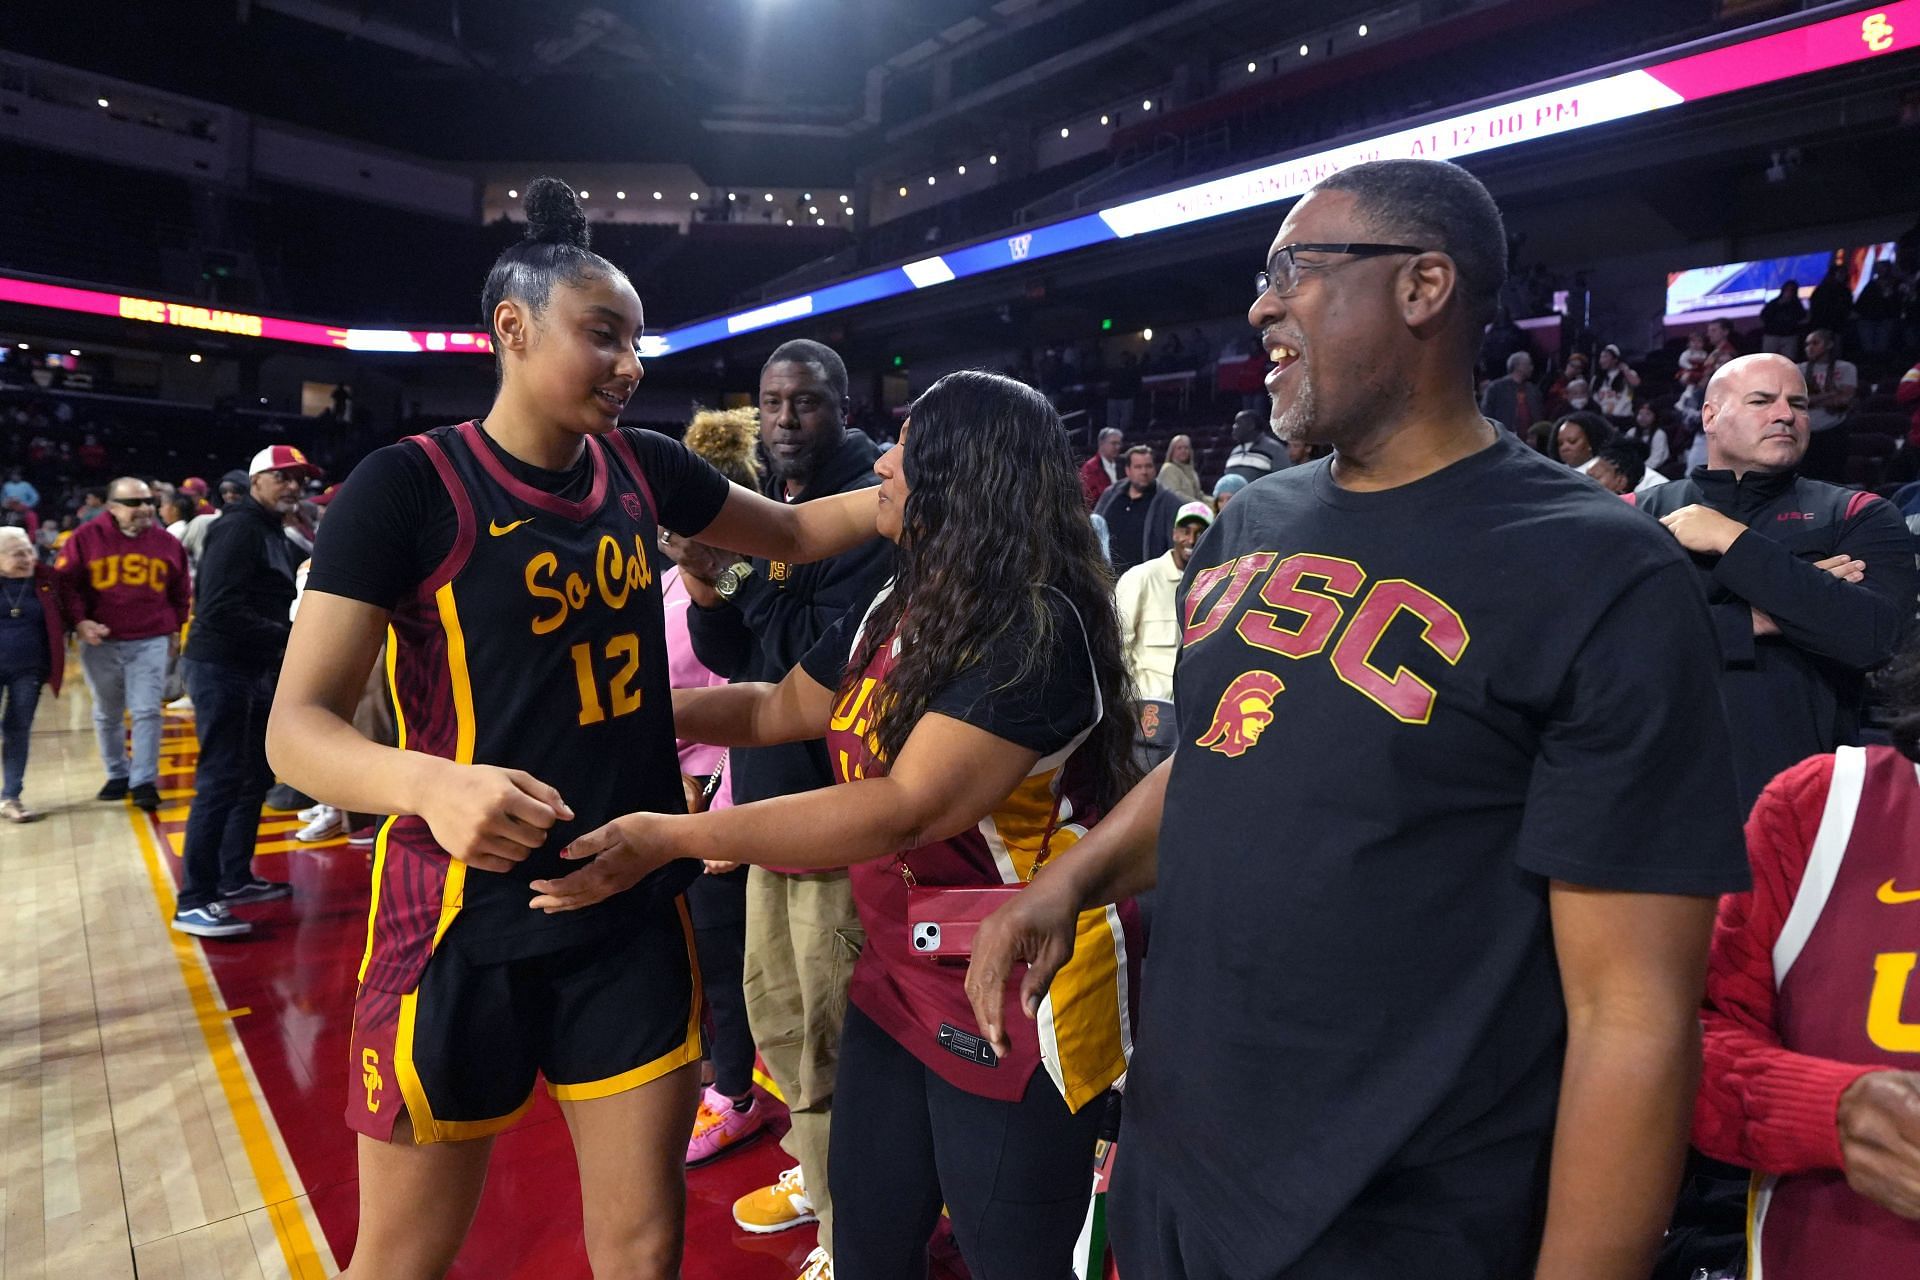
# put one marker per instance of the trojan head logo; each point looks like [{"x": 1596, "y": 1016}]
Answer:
[
  {"x": 370, "y": 1077},
  {"x": 630, "y": 503},
  {"x": 1245, "y": 711},
  {"x": 1150, "y": 720},
  {"x": 1877, "y": 32}
]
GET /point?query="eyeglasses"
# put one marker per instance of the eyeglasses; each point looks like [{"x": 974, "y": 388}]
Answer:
[
  {"x": 132, "y": 502},
  {"x": 1282, "y": 275}
]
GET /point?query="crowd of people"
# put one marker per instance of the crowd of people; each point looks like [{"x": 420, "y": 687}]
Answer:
[{"x": 974, "y": 789}]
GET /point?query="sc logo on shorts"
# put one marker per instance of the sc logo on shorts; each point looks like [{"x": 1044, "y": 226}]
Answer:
[{"x": 370, "y": 1077}]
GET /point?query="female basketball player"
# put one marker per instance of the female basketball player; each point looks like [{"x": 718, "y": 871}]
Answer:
[
  {"x": 513, "y": 562},
  {"x": 977, "y": 714}
]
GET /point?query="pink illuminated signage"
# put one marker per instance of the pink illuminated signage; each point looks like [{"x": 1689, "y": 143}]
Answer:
[{"x": 242, "y": 324}]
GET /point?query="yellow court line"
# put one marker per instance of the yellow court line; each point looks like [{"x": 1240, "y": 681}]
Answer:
[{"x": 289, "y": 1224}]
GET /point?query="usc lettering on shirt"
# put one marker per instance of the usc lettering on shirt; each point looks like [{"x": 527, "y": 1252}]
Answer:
[
  {"x": 1311, "y": 597},
  {"x": 130, "y": 569},
  {"x": 1843, "y": 973},
  {"x": 1083, "y": 1031}
]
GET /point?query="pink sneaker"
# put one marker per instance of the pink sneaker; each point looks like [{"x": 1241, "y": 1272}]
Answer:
[{"x": 719, "y": 1126}]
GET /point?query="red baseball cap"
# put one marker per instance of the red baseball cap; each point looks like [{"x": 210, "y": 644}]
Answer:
[
  {"x": 325, "y": 496},
  {"x": 283, "y": 458},
  {"x": 195, "y": 486}
]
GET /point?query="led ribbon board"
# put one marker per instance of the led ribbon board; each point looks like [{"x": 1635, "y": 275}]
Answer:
[
  {"x": 243, "y": 324},
  {"x": 1745, "y": 64}
]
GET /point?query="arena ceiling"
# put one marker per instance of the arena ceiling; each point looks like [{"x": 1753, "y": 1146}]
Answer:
[{"x": 747, "y": 90}]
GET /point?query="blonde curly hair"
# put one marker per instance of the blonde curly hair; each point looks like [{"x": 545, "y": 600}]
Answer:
[{"x": 728, "y": 438}]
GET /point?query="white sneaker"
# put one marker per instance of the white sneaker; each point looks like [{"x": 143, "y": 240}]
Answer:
[
  {"x": 819, "y": 1266},
  {"x": 182, "y": 703},
  {"x": 325, "y": 825},
  {"x": 311, "y": 812}
]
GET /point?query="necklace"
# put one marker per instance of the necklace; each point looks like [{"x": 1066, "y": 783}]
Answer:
[{"x": 15, "y": 598}]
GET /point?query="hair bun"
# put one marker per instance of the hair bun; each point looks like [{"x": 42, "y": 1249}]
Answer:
[{"x": 554, "y": 215}]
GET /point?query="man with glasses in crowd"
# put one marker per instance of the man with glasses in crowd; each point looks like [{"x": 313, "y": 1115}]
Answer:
[
  {"x": 125, "y": 585},
  {"x": 1460, "y": 902},
  {"x": 231, "y": 665}
]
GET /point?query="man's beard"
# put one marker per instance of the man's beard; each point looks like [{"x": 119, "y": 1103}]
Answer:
[{"x": 1297, "y": 419}]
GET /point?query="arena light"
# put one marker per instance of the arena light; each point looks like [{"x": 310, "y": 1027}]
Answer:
[
  {"x": 1252, "y": 67},
  {"x": 963, "y": 173},
  {"x": 1064, "y": 132},
  {"x": 102, "y": 102},
  {"x": 240, "y": 324},
  {"x": 993, "y": 159},
  {"x": 820, "y": 222},
  {"x": 1147, "y": 334},
  {"x": 584, "y": 193},
  {"x": 731, "y": 197},
  {"x": 74, "y": 351},
  {"x": 1363, "y": 30},
  {"x": 1303, "y": 51},
  {"x": 768, "y": 197},
  {"x": 761, "y": 317},
  {"x": 813, "y": 208},
  {"x": 693, "y": 195},
  {"x": 903, "y": 191},
  {"x": 195, "y": 357},
  {"x": 619, "y": 195},
  {"x": 930, "y": 179},
  {"x": 1146, "y": 104},
  {"x": 1103, "y": 120},
  {"x": 512, "y": 193}
]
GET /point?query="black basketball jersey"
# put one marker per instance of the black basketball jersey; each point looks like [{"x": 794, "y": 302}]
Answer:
[{"x": 537, "y": 644}]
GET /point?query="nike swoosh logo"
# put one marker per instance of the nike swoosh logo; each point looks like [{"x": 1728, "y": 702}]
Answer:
[
  {"x": 1897, "y": 897},
  {"x": 497, "y": 529}
]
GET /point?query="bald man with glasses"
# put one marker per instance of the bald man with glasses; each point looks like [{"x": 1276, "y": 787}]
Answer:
[{"x": 126, "y": 587}]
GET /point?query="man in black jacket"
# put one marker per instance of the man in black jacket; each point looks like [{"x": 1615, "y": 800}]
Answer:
[
  {"x": 753, "y": 621},
  {"x": 1812, "y": 585},
  {"x": 1139, "y": 513},
  {"x": 232, "y": 660}
]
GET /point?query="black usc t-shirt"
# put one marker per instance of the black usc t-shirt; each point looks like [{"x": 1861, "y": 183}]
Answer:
[{"x": 1401, "y": 714}]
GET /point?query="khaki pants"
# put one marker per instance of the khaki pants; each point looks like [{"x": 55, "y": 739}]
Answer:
[{"x": 803, "y": 936}]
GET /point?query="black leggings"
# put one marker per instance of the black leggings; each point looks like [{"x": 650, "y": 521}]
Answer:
[
  {"x": 1016, "y": 1177},
  {"x": 718, "y": 907}
]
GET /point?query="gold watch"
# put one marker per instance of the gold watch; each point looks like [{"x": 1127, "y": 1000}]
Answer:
[{"x": 731, "y": 580}]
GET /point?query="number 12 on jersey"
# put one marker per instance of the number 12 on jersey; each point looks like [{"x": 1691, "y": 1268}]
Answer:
[{"x": 624, "y": 648}]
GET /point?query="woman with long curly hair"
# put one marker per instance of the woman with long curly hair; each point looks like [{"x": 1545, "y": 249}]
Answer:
[{"x": 976, "y": 716}]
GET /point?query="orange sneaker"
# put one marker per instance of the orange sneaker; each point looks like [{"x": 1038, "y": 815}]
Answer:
[{"x": 780, "y": 1207}]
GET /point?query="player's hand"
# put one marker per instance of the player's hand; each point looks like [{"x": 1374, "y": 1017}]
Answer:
[
  {"x": 623, "y": 852},
  {"x": 696, "y": 559},
  {"x": 92, "y": 632},
  {"x": 717, "y": 868},
  {"x": 1879, "y": 1118},
  {"x": 1703, "y": 529},
  {"x": 1036, "y": 926},
  {"x": 490, "y": 818},
  {"x": 1764, "y": 625},
  {"x": 1844, "y": 567}
]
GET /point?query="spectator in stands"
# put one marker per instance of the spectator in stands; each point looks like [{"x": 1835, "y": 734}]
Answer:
[
  {"x": 1123, "y": 390},
  {"x": 1907, "y": 396},
  {"x": 1781, "y": 322},
  {"x": 1776, "y": 553},
  {"x": 1299, "y": 451},
  {"x": 231, "y": 664},
  {"x": 1877, "y": 312},
  {"x": 33, "y": 652},
  {"x": 1513, "y": 401},
  {"x": 1831, "y": 307},
  {"x": 127, "y": 594},
  {"x": 1102, "y": 470},
  {"x": 1225, "y": 488},
  {"x": 92, "y": 503},
  {"x": 1650, "y": 435},
  {"x": 1831, "y": 386},
  {"x": 1578, "y": 398},
  {"x": 754, "y": 620},
  {"x": 196, "y": 488},
  {"x": 234, "y": 488},
  {"x": 19, "y": 489},
  {"x": 1177, "y": 472},
  {"x": 1139, "y": 513},
  {"x": 1691, "y": 367},
  {"x": 1720, "y": 349},
  {"x": 1579, "y": 437},
  {"x": 1614, "y": 385},
  {"x": 1149, "y": 614},
  {"x": 92, "y": 454},
  {"x": 1572, "y": 371},
  {"x": 1619, "y": 468},
  {"x": 17, "y": 514},
  {"x": 1810, "y": 1058},
  {"x": 1256, "y": 452},
  {"x": 176, "y": 512}
]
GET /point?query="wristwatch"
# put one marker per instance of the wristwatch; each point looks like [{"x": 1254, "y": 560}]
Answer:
[{"x": 732, "y": 579}]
